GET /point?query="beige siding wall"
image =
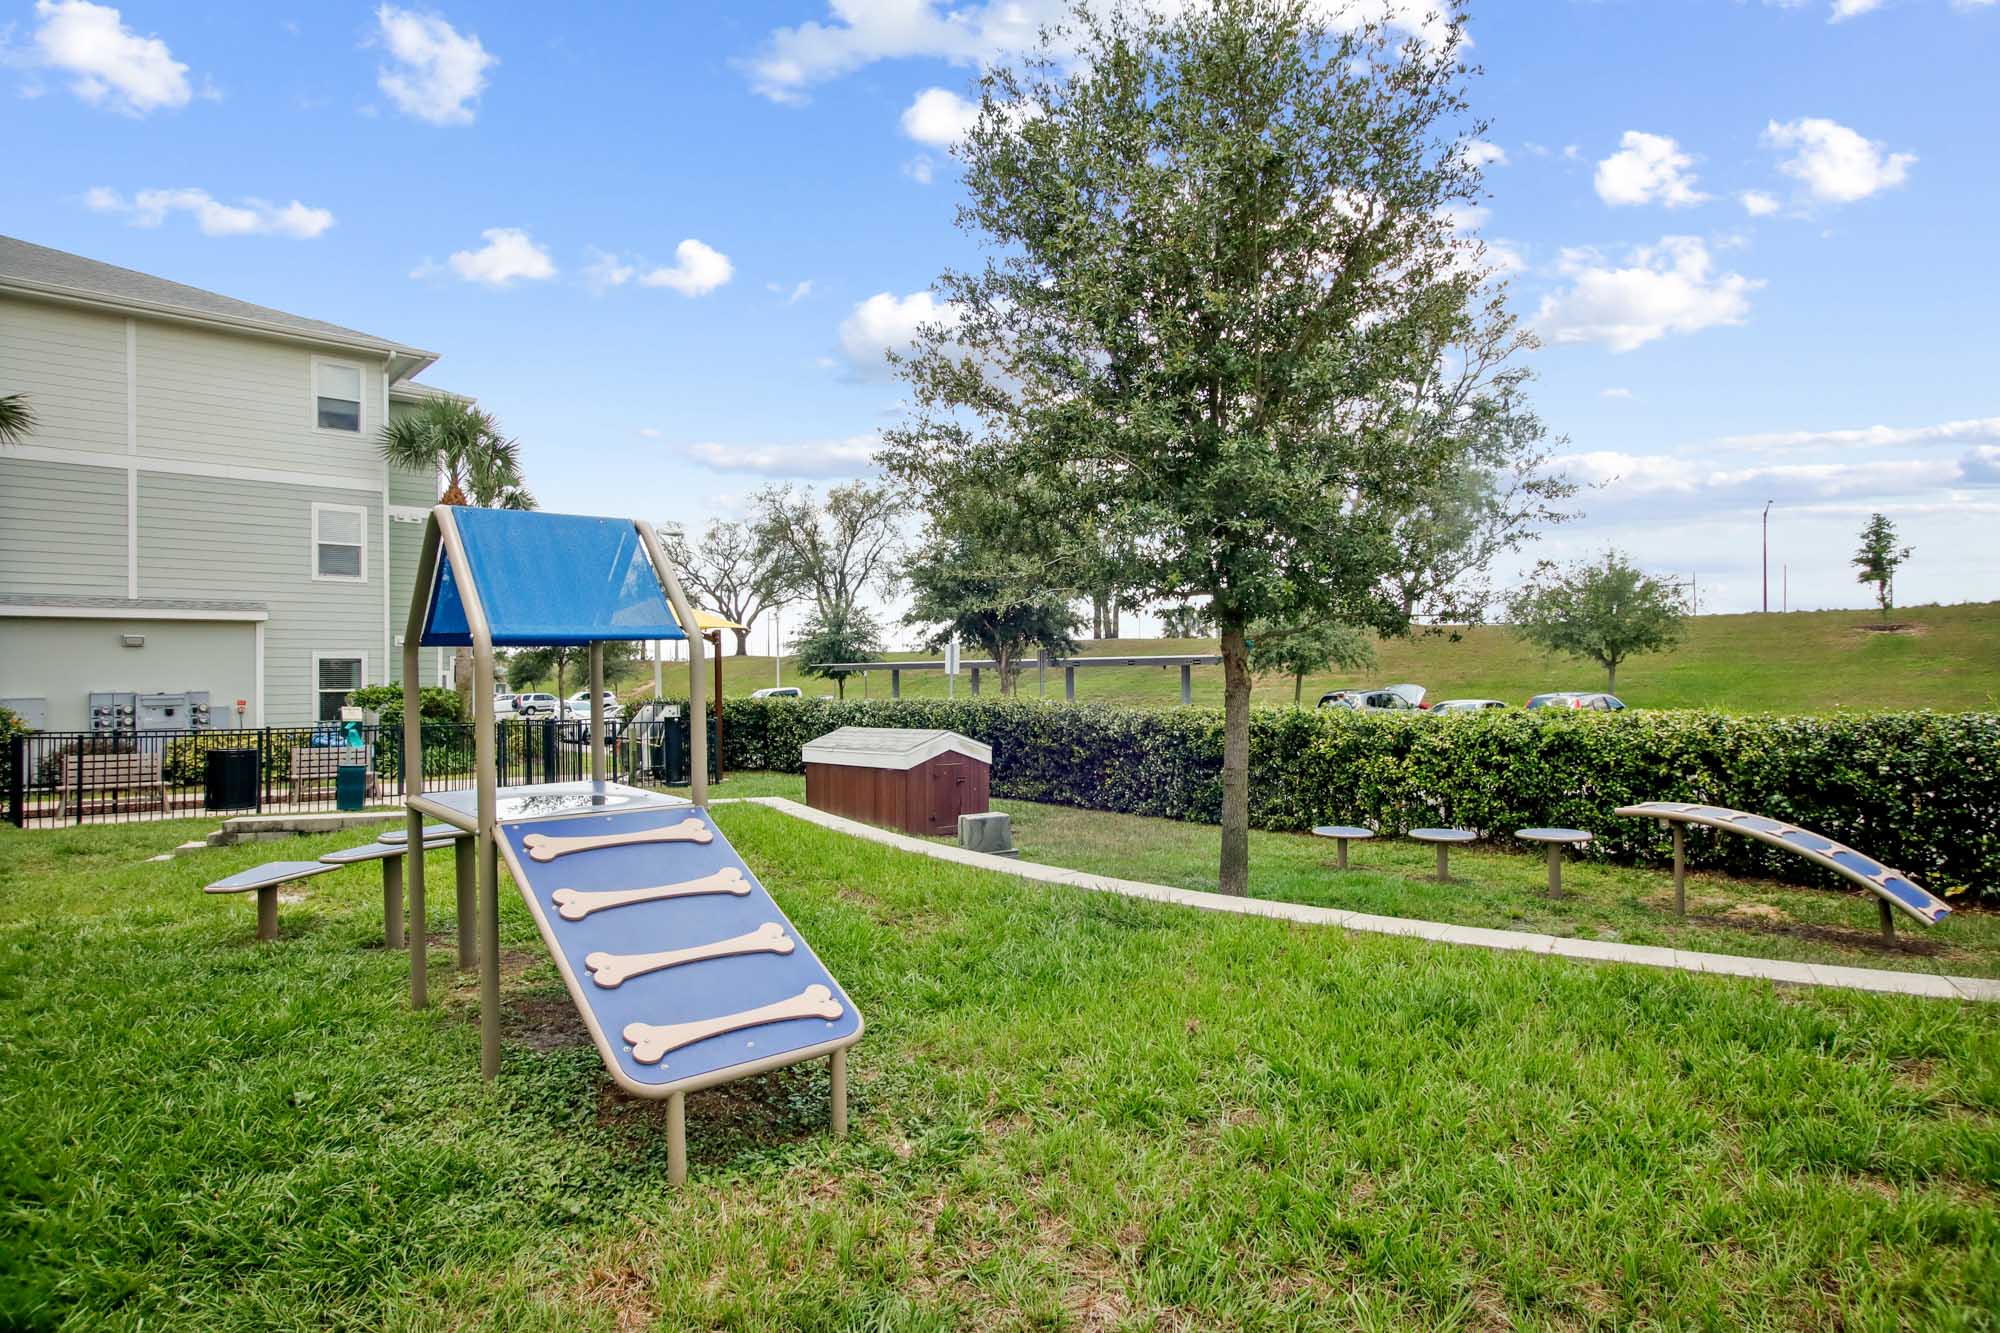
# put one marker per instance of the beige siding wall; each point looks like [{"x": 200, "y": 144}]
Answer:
[
  {"x": 252, "y": 541},
  {"x": 215, "y": 397},
  {"x": 62, "y": 528}
]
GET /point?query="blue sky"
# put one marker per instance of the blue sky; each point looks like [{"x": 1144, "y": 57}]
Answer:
[{"x": 666, "y": 243}]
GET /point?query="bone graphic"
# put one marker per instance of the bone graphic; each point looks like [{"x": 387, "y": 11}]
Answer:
[
  {"x": 652, "y": 1041},
  {"x": 576, "y": 904},
  {"x": 542, "y": 847},
  {"x": 609, "y": 969}
]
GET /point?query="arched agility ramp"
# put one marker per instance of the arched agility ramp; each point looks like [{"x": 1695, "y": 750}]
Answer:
[{"x": 1892, "y": 888}]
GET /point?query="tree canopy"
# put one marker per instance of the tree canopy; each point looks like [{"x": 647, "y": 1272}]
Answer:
[
  {"x": 832, "y": 551},
  {"x": 17, "y": 418},
  {"x": 1878, "y": 559},
  {"x": 733, "y": 570},
  {"x": 1299, "y": 651},
  {"x": 847, "y": 635},
  {"x": 1603, "y": 611},
  {"x": 1229, "y": 295},
  {"x": 463, "y": 445}
]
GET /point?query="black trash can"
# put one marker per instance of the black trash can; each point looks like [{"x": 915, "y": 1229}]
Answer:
[{"x": 229, "y": 780}]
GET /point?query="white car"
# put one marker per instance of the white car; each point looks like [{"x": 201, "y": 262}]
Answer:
[
  {"x": 578, "y": 706},
  {"x": 533, "y": 706},
  {"x": 503, "y": 706},
  {"x": 1387, "y": 699},
  {"x": 778, "y": 692},
  {"x": 1467, "y": 705}
]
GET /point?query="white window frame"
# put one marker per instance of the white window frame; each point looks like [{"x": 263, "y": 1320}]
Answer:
[
  {"x": 334, "y": 655},
  {"x": 312, "y": 543},
  {"x": 312, "y": 398}
]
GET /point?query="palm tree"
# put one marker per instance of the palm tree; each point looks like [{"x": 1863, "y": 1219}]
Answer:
[
  {"x": 16, "y": 418},
  {"x": 480, "y": 467},
  {"x": 463, "y": 445}
]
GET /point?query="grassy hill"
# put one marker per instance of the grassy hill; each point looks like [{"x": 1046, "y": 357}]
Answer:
[{"x": 1944, "y": 657}]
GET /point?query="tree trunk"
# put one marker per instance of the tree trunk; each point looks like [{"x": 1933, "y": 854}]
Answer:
[
  {"x": 1611, "y": 678},
  {"x": 840, "y": 684},
  {"x": 743, "y": 642},
  {"x": 1235, "y": 873},
  {"x": 461, "y": 677},
  {"x": 1298, "y": 690}
]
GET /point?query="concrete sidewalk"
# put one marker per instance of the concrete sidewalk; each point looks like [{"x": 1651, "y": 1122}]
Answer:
[{"x": 1799, "y": 974}]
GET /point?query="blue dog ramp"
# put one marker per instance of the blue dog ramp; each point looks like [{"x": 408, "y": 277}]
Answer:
[{"x": 684, "y": 969}]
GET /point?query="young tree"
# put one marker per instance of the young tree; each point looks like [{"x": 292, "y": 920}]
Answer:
[
  {"x": 1185, "y": 621},
  {"x": 979, "y": 593},
  {"x": 1301, "y": 650},
  {"x": 1878, "y": 560},
  {"x": 836, "y": 551},
  {"x": 734, "y": 571},
  {"x": 847, "y": 635},
  {"x": 543, "y": 663},
  {"x": 17, "y": 418},
  {"x": 1228, "y": 276},
  {"x": 1603, "y": 611}
]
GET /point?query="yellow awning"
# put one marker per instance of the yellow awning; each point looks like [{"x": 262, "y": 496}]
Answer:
[{"x": 709, "y": 620}]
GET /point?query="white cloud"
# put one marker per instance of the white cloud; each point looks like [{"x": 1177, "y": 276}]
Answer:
[
  {"x": 1970, "y": 431},
  {"x": 1757, "y": 203},
  {"x": 1647, "y": 169},
  {"x": 884, "y": 322},
  {"x": 1669, "y": 483},
  {"x": 1834, "y": 163},
  {"x": 1614, "y": 393},
  {"x": 649, "y": 432},
  {"x": 800, "y": 292},
  {"x": 1667, "y": 288},
  {"x": 1847, "y": 9},
  {"x": 697, "y": 270},
  {"x": 816, "y": 458},
  {"x": 509, "y": 253},
  {"x": 859, "y": 32},
  {"x": 439, "y": 73},
  {"x": 114, "y": 66},
  {"x": 920, "y": 169},
  {"x": 1480, "y": 153},
  {"x": 250, "y": 217},
  {"x": 605, "y": 271},
  {"x": 939, "y": 117}
]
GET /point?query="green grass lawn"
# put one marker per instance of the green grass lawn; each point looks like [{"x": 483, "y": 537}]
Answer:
[
  {"x": 1071, "y": 1111},
  {"x": 1945, "y": 657},
  {"x": 1504, "y": 887}
]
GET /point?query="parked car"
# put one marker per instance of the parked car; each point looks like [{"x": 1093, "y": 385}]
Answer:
[
  {"x": 1386, "y": 699},
  {"x": 1467, "y": 705},
  {"x": 778, "y": 692},
  {"x": 533, "y": 706},
  {"x": 578, "y": 706},
  {"x": 503, "y": 706},
  {"x": 1598, "y": 702}
]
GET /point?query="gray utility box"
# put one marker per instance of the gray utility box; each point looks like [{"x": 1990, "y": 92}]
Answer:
[
  {"x": 186, "y": 711},
  {"x": 113, "y": 711},
  {"x": 992, "y": 833}
]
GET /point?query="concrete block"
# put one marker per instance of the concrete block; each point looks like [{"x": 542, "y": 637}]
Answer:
[{"x": 992, "y": 834}]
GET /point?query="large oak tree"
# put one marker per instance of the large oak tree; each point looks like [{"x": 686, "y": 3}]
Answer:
[{"x": 1229, "y": 280}]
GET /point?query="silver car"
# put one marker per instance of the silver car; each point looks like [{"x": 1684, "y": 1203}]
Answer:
[{"x": 1467, "y": 705}]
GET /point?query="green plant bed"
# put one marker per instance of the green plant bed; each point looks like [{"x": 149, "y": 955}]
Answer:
[{"x": 1069, "y": 1108}]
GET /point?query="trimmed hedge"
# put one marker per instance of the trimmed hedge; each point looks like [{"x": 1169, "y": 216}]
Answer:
[{"x": 1920, "y": 790}]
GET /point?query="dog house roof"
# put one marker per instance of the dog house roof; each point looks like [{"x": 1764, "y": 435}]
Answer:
[{"x": 890, "y": 747}]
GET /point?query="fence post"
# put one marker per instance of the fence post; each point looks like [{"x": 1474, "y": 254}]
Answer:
[
  {"x": 263, "y": 768},
  {"x": 17, "y": 780}
]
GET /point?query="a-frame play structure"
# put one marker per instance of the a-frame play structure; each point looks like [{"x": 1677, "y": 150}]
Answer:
[{"x": 681, "y": 966}]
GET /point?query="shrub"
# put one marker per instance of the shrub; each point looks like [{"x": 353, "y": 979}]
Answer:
[
  {"x": 436, "y": 703},
  {"x": 11, "y": 726},
  {"x": 1919, "y": 790}
]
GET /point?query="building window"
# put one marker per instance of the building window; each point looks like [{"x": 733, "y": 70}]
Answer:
[
  {"x": 335, "y": 677},
  {"x": 337, "y": 393},
  {"x": 340, "y": 542}
]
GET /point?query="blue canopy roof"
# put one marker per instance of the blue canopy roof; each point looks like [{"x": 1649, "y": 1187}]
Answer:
[{"x": 550, "y": 579}]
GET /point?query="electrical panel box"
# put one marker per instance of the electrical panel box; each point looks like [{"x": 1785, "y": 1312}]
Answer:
[
  {"x": 113, "y": 711},
  {"x": 34, "y": 713},
  {"x": 186, "y": 711}
]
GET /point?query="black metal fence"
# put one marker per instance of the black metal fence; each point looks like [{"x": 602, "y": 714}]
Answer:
[{"x": 55, "y": 777}]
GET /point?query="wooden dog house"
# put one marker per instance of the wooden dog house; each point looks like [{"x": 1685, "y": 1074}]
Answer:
[{"x": 916, "y": 781}]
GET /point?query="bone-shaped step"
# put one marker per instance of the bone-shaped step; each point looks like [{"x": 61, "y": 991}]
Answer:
[
  {"x": 609, "y": 969},
  {"x": 543, "y": 847},
  {"x": 652, "y": 1041},
  {"x": 576, "y": 904}
]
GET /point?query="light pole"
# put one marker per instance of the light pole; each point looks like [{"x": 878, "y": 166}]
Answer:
[{"x": 1767, "y": 555}]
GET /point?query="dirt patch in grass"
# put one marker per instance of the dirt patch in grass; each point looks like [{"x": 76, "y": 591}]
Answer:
[
  {"x": 543, "y": 1022},
  {"x": 1762, "y": 912},
  {"x": 1865, "y": 941},
  {"x": 1912, "y": 628},
  {"x": 783, "y": 1106}
]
